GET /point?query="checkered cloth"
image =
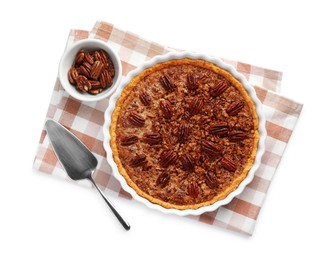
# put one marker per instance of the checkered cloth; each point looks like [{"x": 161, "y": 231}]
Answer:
[{"x": 85, "y": 120}]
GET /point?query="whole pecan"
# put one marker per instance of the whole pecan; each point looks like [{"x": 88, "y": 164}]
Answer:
[
  {"x": 211, "y": 149},
  {"x": 129, "y": 140},
  {"x": 145, "y": 98},
  {"x": 96, "y": 69},
  {"x": 220, "y": 129},
  {"x": 167, "y": 158},
  {"x": 136, "y": 119},
  {"x": 138, "y": 160},
  {"x": 219, "y": 88},
  {"x": 152, "y": 138},
  {"x": 193, "y": 189},
  {"x": 182, "y": 132},
  {"x": 167, "y": 83},
  {"x": 192, "y": 83},
  {"x": 163, "y": 180},
  {"x": 211, "y": 180},
  {"x": 83, "y": 83},
  {"x": 234, "y": 108},
  {"x": 228, "y": 163},
  {"x": 166, "y": 108},
  {"x": 237, "y": 135},
  {"x": 187, "y": 162},
  {"x": 196, "y": 105}
]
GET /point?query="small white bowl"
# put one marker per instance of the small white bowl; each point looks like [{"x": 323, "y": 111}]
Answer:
[{"x": 68, "y": 58}]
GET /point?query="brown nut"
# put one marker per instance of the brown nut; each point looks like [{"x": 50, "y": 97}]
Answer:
[
  {"x": 166, "y": 108},
  {"x": 83, "y": 83}
]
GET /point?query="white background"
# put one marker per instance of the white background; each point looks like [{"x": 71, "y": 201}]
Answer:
[{"x": 42, "y": 217}]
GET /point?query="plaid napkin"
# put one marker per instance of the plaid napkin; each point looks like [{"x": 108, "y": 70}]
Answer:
[{"x": 85, "y": 120}]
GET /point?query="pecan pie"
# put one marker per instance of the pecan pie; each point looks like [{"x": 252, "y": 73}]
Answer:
[{"x": 184, "y": 133}]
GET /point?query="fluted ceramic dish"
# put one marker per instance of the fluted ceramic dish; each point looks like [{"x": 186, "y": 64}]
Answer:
[{"x": 172, "y": 56}]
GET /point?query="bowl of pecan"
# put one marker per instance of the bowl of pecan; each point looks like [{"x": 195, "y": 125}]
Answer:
[{"x": 90, "y": 70}]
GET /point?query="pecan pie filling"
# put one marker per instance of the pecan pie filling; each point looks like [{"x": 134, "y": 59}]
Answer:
[{"x": 184, "y": 133}]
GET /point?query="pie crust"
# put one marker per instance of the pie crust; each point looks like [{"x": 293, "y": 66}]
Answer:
[{"x": 184, "y": 133}]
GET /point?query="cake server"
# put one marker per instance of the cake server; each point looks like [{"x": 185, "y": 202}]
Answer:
[{"x": 76, "y": 159}]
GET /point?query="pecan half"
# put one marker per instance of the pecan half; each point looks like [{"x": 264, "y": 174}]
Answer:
[
  {"x": 186, "y": 115},
  {"x": 83, "y": 83},
  {"x": 187, "y": 162},
  {"x": 204, "y": 79},
  {"x": 152, "y": 138},
  {"x": 95, "y": 84},
  {"x": 96, "y": 70},
  {"x": 104, "y": 58},
  {"x": 182, "y": 132},
  {"x": 89, "y": 58},
  {"x": 234, "y": 108},
  {"x": 163, "y": 180},
  {"x": 136, "y": 120},
  {"x": 196, "y": 105},
  {"x": 193, "y": 189},
  {"x": 138, "y": 160},
  {"x": 237, "y": 135},
  {"x": 219, "y": 88},
  {"x": 79, "y": 57},
  {"x": 95, "y": 91},
  {"x": 145, "y": 98},
  {"x": 87, "y": 65},
  {"x": 72, "y": 75},
  {"x": 166, "y": 108},
  {"x": 85, "y": 69},
  {"x": 211, "y": 180},
  {"x": 228, "y": 163},
  {"x": 96, "y": 55},
  {"x": 220, "y": 129},
  {"x": 105, "y": 79},
  {"x": 192, "y": 83},
  {"x": 211, "y": 149},
  {"x": 167, "y": 83},
  {"x": 129, "y": 140},
  {"x": 111, "y": 68},
  {"x": 167, "y": 158}
]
